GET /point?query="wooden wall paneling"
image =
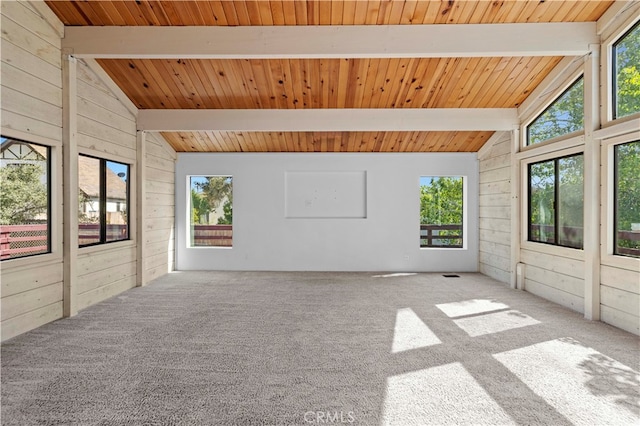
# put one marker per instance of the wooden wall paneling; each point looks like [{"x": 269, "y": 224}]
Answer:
[
  {"x": 22, "y": 280},
  {"x": 37, "y": 67},
  {"x": 101, "y": 293},
  {"x": 14, "y": 33},
  {"x": 31, "y": 300},
  {"x": 108, "y": 275}
]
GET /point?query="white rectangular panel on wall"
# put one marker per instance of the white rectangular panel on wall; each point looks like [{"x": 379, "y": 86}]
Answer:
[{"x": 337, "y": 195}]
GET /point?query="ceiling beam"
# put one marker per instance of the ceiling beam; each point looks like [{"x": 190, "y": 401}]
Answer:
[
  {"x": 345, "y": 41},
  {"x": 328, "y": 120}
]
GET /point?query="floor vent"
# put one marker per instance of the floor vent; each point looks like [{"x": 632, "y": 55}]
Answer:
[{"x": 451, "y": 276}]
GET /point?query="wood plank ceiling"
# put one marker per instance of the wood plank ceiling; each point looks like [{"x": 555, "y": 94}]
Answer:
[{"x": 326, "y": 83}]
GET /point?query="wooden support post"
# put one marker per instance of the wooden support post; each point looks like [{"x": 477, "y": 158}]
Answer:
[
  {"x": 141, "y": 208},
  {"x": 592, "y": 185},
  {"x": 70, "y": 182},
  {"x": 516, "y": 217}
]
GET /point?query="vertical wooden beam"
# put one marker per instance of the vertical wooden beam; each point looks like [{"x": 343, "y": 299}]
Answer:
[
  {"x": 516, "y": 204},
  {"x": 592, "y": 159},
  {"x": 141, "y": 208},
  {"x": 70, "y": 182}
]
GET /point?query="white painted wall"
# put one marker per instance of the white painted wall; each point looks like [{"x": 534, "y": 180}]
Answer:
[
  {"x": 495, "y": 207},
  {"x": 386, "y": 240},
  {"x": 31, "y": 109}
]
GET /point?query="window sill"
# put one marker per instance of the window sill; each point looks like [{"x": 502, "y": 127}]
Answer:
[
  {"x": 209, "y": 247},
  {"x": 116, "y": 245},
  {"x": 30, "y": 262},
  {"x": 621, "y": 262},
  {"x": 567, "y": 252},
  {"x": 445, "y": 248}
]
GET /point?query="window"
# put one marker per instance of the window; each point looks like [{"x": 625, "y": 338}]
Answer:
[
  {"x": 627, "y": 199},
  {"x": 211, "y": 212},
  {"x": 25, "y": 201},
  {"x": 556, "y": 201},
  {"x": 103, "y": 201},
  {"x": 565, "y": 115},
  {"x": 441, "y": 211},
  {"x": 626, "y": 73}
]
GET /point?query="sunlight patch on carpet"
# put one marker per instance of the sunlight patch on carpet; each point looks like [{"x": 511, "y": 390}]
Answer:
[
  {"x": 582, "y": 384},
  {"x": 411, "y": 333},
  {"x": 443, "y": 395},
  {"x": 470, "y": 307},
  {"x": 495, "y": 323},
  {"x": 396, "y": 274}
]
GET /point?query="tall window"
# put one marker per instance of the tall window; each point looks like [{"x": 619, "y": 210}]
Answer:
[
  {"x": 626, "y": 75},
  {"x": 441, "y": 211},
  {"x": 103, "y": 201},
  {"x": 211, "y": 218},
  {"x": 565, "y": 115},
  {"x": 627, "y": 199},
  {"x": 556, "y": 201},
  {"x": 25, "y": 199}
]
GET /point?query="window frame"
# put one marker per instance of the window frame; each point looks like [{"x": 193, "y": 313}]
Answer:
[
  {"x": 610, "y": 139},
  {"x": 556, "y": 199},
  {"x": 607, "y": 71},
  {"x": 465, "y": 212},
  {"x": 612, "y": 62},
  {"x": 573, "y": 147},
  {"x": 189, "y": 224},
  {"x": 103, "y": 201},
  {"x": 612, "y": 225},
  {"x": 50, "y": 194},
  {"x": 559, "y": 93}
]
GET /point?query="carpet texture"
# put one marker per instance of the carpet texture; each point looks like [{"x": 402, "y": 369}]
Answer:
[{"x": 285, "y": 348}]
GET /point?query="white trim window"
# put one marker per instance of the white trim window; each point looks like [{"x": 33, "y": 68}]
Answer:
[
  {"x": 103, "y": 201},
  {"x": 442, "y": 211},
  {"x": 625, "y": 57},
  {"x": 565, "y": 115},
  {"x": 626, "y": 199},
  {"x": 210, "y": 211},
  {"x": 556, "y": 201},
  {"x": 25, "y": 188}
]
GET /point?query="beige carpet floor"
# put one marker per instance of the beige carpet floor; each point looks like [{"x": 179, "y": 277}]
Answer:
[{"x": 270, "y": 348}]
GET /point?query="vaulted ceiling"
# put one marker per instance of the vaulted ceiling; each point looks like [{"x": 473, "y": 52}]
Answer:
[{"x": 234, "y": 82}]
